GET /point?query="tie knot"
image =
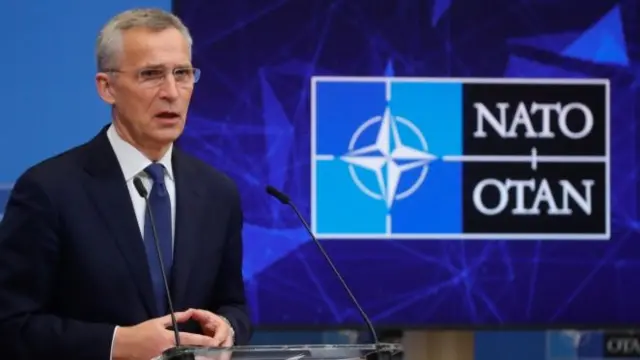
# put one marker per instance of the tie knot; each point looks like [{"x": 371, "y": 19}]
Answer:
[{"x": 156, "y": 172}]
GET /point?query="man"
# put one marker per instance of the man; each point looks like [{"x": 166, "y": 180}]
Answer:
[{"x": 80, "y": 275}]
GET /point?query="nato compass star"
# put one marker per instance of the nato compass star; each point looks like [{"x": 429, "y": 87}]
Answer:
[{"x": 388, "y": 157}]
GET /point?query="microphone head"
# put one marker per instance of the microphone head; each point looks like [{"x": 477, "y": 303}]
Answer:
[
  {"x": 142, "y": 191},
  {"x": 278, "y": 195}
]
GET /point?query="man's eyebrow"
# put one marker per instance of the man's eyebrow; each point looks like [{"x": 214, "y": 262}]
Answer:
[
  {"x": 153, "y": 66},
  {"x": 161, "y": 66}
]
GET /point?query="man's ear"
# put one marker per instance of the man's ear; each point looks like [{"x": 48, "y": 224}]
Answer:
[{"x": 105, "y": 87}]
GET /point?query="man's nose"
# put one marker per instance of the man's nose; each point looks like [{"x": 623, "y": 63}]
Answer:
[{"x": 169, "y": 88}]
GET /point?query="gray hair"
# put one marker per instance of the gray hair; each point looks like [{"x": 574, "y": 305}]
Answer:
[{"x": 109, "y": 43}]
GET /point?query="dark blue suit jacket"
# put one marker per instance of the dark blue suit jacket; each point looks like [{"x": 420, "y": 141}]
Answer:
[{"x": 73, "y": 264}]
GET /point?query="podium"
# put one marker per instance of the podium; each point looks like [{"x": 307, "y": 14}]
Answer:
[{"x": 384, "y": 351}]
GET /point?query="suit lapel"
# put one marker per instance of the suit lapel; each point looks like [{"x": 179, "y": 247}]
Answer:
[
  {"x": 110, "y": 194},
  {"x": 189, "y": 200}
]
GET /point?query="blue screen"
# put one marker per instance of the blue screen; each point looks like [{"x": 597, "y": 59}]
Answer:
[{"x": 253, "y": 114}]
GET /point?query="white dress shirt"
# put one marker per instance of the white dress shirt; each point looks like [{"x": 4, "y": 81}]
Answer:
[{"x": 132, "y": 163}]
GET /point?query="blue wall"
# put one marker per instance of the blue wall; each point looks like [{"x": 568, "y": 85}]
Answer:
[{"x": 49, "y": 101}]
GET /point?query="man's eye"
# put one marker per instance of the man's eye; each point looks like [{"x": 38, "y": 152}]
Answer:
[
  {"x": 151, "y": 74},
  {"x": 182, "y": 74}
]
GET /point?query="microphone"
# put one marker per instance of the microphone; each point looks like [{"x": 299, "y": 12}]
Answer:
[
  {"x": 177, "y": 352},
  {"x": 284, "y": 199}
]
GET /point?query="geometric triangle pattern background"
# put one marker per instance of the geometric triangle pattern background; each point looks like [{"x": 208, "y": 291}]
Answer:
[
  {"x": 521, "y": 67},
  {"x": 555, "y": 43},
  {"x": 439, "y": 8},
  {"x": 254, "y": 125},
  {"x": 602, "y": 43}
]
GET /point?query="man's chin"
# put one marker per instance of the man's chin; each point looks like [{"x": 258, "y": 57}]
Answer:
[{"x": 167, "y": 135}]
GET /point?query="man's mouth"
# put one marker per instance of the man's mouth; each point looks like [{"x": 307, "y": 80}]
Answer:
[{"x": 168, "y": 115}]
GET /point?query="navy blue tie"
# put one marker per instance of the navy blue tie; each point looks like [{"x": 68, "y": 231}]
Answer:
[{"x": 160, "y": 205}]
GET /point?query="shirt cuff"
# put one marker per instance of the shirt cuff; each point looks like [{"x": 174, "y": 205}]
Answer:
[
  {"x": 233, "y": 333},
  {"x": 113, "y": 339}
]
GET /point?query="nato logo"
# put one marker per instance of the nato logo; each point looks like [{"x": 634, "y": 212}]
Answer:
[{"x": 426, "y": 158}]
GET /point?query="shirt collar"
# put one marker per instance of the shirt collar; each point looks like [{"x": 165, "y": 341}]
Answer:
[{"x": 132, "y": 161}]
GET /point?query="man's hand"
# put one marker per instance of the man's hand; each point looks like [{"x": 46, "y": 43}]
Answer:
[
  {"x": 214, "y": 326},
  {"x": 150, "y": 338}
]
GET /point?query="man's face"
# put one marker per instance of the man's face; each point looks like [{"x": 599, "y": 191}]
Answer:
[{"x": 151, "y": 87}]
